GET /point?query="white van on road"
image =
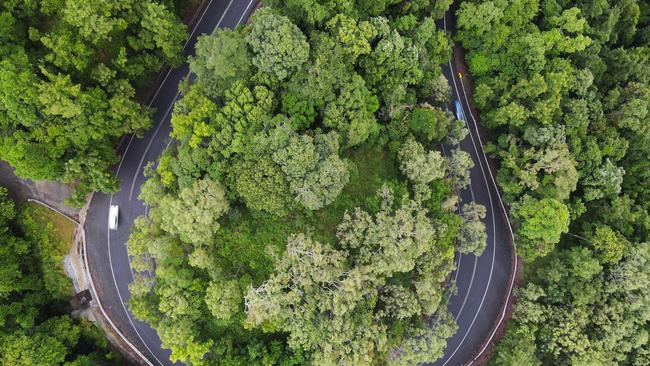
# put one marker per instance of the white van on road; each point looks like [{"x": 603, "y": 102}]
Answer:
[{"x": 113, "y": 215}]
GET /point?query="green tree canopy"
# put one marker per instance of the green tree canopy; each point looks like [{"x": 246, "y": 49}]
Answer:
[
  {"x": 328, "y": 303},
  {"x": 472, "y": 236},
  {"x": 563, "y": 88},
  {"x": 265, "y": 231},
  {"x": 69, "y": 84},
  {"x": 221, "y": 59},
  {"x": 35, "y": 325},
  {"x": 541, "y": 224},
  {"x": 279, "y": 47}
]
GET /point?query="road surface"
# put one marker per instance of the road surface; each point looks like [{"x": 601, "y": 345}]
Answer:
[
  {"x": 482, "y": 282},
  {"x": 106, "y": 250}
]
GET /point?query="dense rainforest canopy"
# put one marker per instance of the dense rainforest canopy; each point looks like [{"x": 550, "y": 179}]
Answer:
[
  {"x": 69, "y": 71},
  {"x": 563, "y": 86},
  {"x": 304, "y": 214}
]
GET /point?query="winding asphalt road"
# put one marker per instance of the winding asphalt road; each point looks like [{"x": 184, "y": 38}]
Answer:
[
  {"x": 107, "y": 254},
  {"x": 482, "y": 281}
]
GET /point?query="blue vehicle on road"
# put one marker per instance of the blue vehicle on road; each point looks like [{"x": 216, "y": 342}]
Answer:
[{"x": 459, "y": 111}]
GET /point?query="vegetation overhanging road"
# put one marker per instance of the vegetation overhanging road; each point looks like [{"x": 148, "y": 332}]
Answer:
[
  {"x": 483, "y": 282},
  {"x": 107, "y": 253}
]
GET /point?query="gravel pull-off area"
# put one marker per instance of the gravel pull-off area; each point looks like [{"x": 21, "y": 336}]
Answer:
[{"x": 52, "y": 193}]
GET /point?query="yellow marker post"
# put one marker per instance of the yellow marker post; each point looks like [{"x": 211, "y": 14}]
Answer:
[{"x": 460, "y": 75}]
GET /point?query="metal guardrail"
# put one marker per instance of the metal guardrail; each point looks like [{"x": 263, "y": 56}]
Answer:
[
  {"x": 53, "y": 209},
  {"x": 89, "y": 278}
]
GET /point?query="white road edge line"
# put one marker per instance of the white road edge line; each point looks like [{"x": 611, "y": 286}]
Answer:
[
  {"x": 505, "y": 213},
  {"x": 119, "y": 294},
  {"x": 99, "y": 303},
  {"x": 451, "y": 70},
  {"x": 244, "y": 13}
]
